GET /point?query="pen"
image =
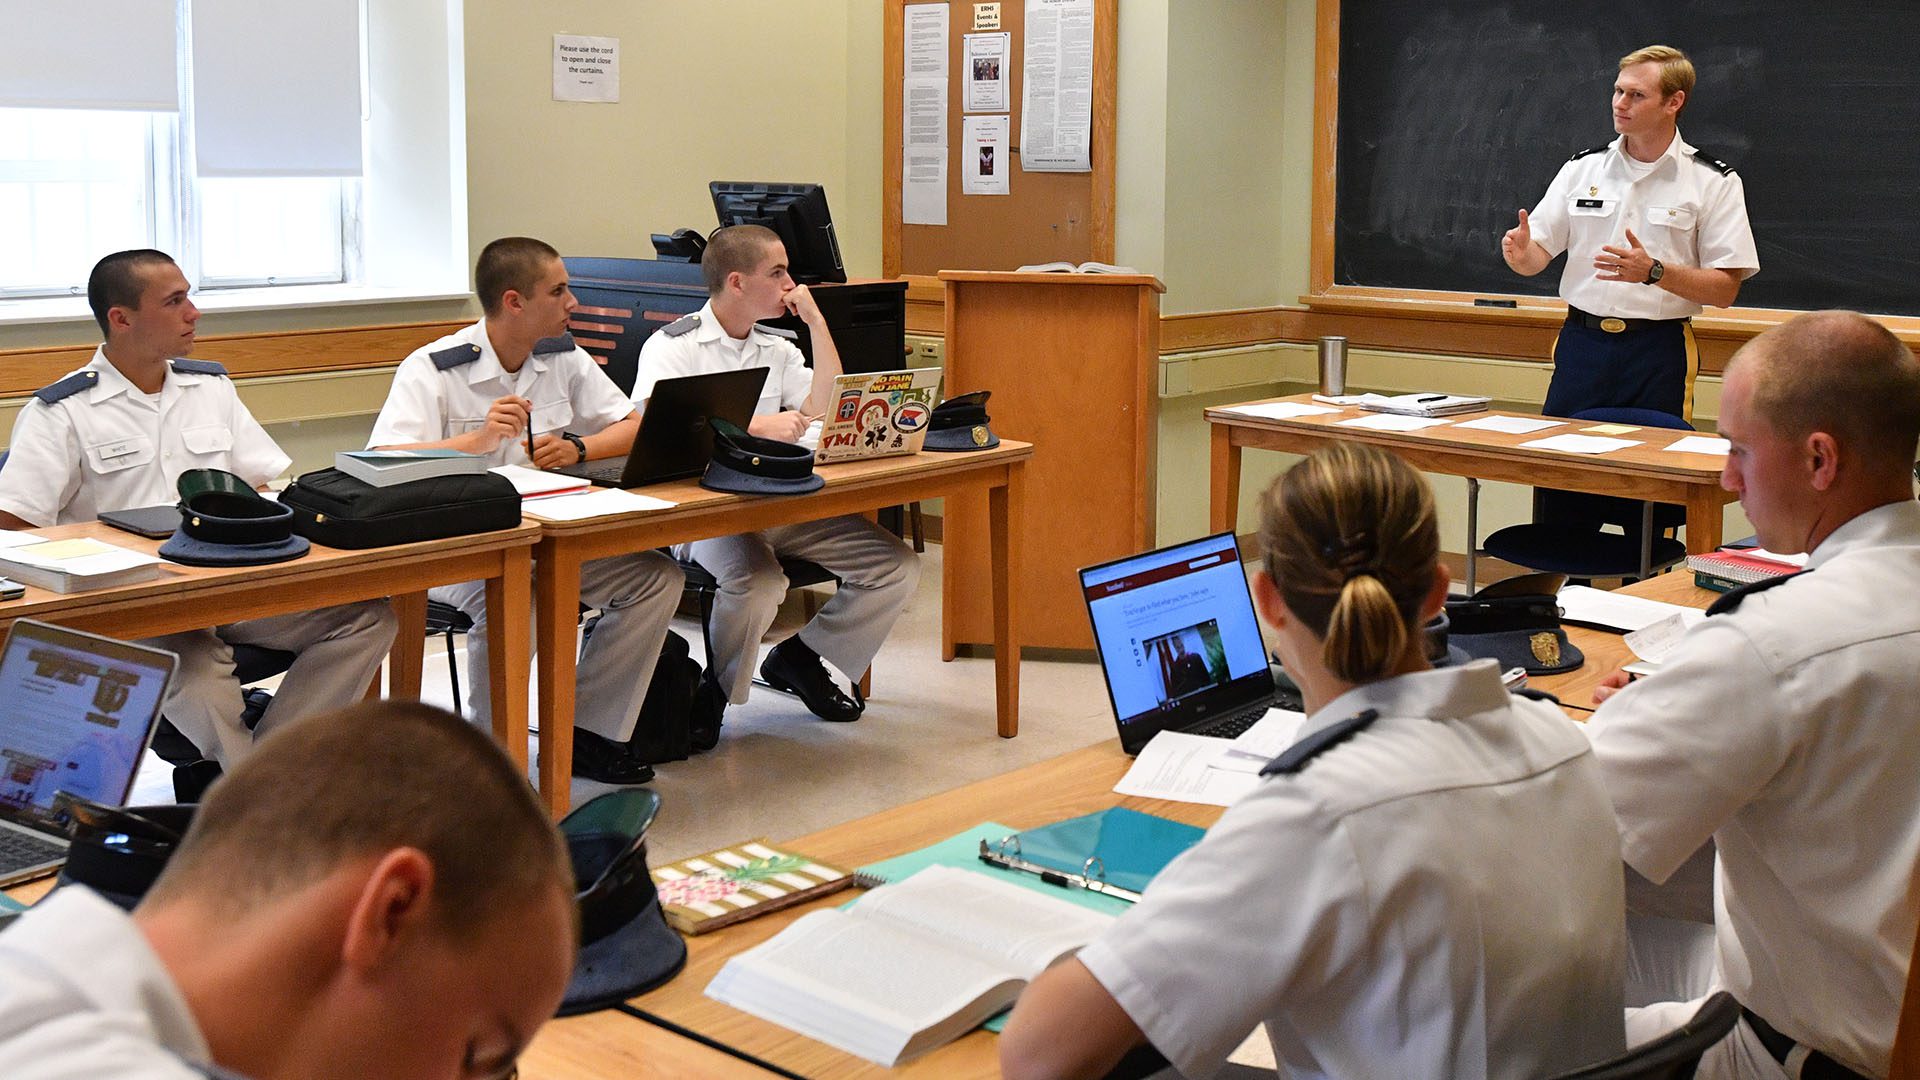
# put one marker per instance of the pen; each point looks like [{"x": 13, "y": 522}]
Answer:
[
  {"x": 1057, "y": 877},
  {"x": 530, "y": 440},
  {"x": 1430, "y": 397}
]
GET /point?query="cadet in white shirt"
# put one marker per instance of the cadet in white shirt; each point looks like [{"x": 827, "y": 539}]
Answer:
[
  {"x": 1408, "y": 892},
  {"x": 117, "y": 434},
  {"x": 746, "y": 273},
  {"x": 1786, "y": 726},
  {"x": 1653, "y": 229},
  {"x": 480, "y": 390},
  {"x": 314, "y": 929}
]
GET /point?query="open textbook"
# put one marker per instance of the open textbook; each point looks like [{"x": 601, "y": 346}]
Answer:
[
  {"x": 907, "y": 967},
  {"x": 1088, "y": 267}
]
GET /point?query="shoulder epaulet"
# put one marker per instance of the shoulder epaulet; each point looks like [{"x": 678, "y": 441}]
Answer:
[
  {"x": 1589, "y": 150},
  {"x": 67, "y": 387},
  {"x": 776, "y": 331},
  {"x": 681, "y": 325},
  {"x": 453, "y": 356},
  {"x": 1531, "y": 694},
  {"x": 199, "y": 367},
  {"x": 558, "y": 343},
  {"x": 1731, "y": 600},
  {"x": 1713, "y": 163},
  {"x": 1296, "y": 757}
]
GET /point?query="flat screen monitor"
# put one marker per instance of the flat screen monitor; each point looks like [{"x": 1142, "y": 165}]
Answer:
[{"x": 798, "y": 212}]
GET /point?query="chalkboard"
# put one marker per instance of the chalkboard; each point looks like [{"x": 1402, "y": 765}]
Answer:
[{"x": 1454, "y": 115}]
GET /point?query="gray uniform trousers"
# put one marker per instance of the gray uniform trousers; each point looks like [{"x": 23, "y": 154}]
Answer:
[
  {"x": 338, "y": 652},
  {"x": 877, "y": 573},
  {"x": 636, "y": 595}
]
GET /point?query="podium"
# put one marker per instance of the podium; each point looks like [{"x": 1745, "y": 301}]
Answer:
[{"x": 1072, "y": 361}]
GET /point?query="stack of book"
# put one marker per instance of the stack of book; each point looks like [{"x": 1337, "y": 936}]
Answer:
[
  {"x": 65, "y": 566},
  {"x": 1730, "y": 568},
  {"x": 1428, "y": 405},
  {"x": 385, "y": 468}
]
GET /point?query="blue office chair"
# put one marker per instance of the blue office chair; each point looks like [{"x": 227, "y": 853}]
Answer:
[
  {"x": 1569, "y": 532},
  {"x": 1673, "y": 1056}
]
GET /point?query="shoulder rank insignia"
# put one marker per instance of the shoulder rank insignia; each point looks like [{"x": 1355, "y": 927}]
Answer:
[
  {"x": 1730, "y": 602},
  {"x": 558, "y": 343},
  {"x": 1713, "y": 163},
  {"x": 1295, "y": 757},
  {"x": 1590, "y": 150},
  {"x": 681, "y": 325},
  {"x": 199, "y": 367},
  {"x": 454, "y": 355},
  {"x": 67, "y": 387},
  {"x": 776, "y": 331}
]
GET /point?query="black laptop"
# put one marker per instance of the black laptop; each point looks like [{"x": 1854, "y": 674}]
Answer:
[
  {"x": 674, "y": 440},
  {"x": 1179, "y": 643},
  {"x": 76, "y": 713}
]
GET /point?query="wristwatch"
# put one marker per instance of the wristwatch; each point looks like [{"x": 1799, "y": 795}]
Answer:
[
  {"x": 1655, "y": 273},
  {"x": 580, "y": 445}
]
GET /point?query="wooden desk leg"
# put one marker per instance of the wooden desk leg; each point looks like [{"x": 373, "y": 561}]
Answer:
[
  {"x": 1706, "y": 518},
  {"x": 509, "y": 652},
  {"x": 1224, "y": 478},
  {"x": 556, "y": 608},
  {"x": 1005, "y": 515},
  {"x": 409, "y": 646}
]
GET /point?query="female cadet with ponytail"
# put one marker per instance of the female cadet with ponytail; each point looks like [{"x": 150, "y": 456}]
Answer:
[{"x": 1427, "y": 884}]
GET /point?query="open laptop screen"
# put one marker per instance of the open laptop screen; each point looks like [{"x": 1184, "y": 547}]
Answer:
[
  {"x": 1176, "y": 633},
  {"x": 76, "y": 711}
]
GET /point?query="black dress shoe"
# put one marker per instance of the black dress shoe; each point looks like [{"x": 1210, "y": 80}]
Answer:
[
  {"x": 703, "y": 717},
  {"x": 793, "y": 667},
  {"x": 597, "y": 757}
]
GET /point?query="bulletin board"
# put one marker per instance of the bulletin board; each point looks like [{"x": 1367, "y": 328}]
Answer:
[{"x": 1045, "y": 216}]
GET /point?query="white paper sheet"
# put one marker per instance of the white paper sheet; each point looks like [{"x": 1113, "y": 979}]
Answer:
[
  {"x": 535, "y": 483},
  {"x": 923, "y": 114},
  {"x": 986, "y": 74},
  {"x": 1261, "y": 743},
  {"x": 1616, "y": 611},
  {"x": 1349, "y": 399},
  {"x": 1512, "y": 425},
  {"x": 925, "y": 41},
  {"x": 600, "y": 502},
  {"x": 586, "y": 68},
  {"x": 1580, "y": 444},
  {"x": 1056, "y": 87},
  {"x": 1178, "y": 766},
  {"x": 1393, "y": 422},
  {"x": 1654, "y": 642},
  {"x": 983, "y": 155},
  {"x": 923, "y": 187},
  {"x": 1282, "y": 410},
  {"x": 1700, "y": 444}
]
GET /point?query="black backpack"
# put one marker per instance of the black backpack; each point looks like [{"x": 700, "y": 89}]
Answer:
[{"x": 663, "y": 731}]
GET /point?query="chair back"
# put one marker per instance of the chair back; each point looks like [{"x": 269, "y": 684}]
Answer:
[
  {"x": 622, "y": 302},
  {"x": 1577, "y": 509},
  {"x": 1673, "y": 1056}
]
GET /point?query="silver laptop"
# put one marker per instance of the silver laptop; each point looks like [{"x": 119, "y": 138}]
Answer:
[
  {"x": 76, "y": 713},
  {"x": 1179, "y": 643}
]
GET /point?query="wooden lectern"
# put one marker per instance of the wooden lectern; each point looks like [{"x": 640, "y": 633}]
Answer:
[{"x": 1072, "y": 361}]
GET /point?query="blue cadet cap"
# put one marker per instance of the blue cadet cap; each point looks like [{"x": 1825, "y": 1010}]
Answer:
[
  {"x": 749, "y": 465},
  {"x": 224, "y": 522},
  {"x": 626, "y": 947},
  {"x": 961, "y": 423},
  {"x": 1516, "y": 622}
]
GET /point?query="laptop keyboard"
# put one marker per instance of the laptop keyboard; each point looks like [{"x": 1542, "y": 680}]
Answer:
[
  {"x": 1232, "y": 727},
  {"x": 607, "y": 474},
  {"x": 19, "y": 851}
]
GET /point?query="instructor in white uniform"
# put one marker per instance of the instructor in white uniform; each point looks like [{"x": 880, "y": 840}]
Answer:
[
  {"x": 745, "y": 267},
  {"x": 1407, "y": 892},
  {"x": 117, "y": 434},
  {"x": 1654, "y": 230}
]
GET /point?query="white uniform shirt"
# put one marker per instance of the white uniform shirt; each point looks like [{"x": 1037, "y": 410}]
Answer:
[
  {"x": 1789, "y": 731},
  {"x": 83, "y": 996},
  {"x": 1684, "y": 212},
  {"x": 111, "y": 447},
  {"x": 702, "y": 351},
  {"x": 1438, "y": 896},
  {"x": 426, "y": 404}
]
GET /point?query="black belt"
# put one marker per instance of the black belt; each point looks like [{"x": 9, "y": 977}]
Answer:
[
  {"x": 1818, "y": 1066},
  {"x": 1612, "y": 325}
]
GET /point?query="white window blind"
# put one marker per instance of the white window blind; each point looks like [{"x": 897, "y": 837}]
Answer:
[
  {"x": 276, "y": 88},
  {"x": 90, "y": 54}
]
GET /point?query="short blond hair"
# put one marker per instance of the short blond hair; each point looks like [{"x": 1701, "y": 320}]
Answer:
[{"x": 1676, "y": 71}]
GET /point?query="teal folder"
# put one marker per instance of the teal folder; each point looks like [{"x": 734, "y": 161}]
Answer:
[
  {"x": 1131, "y": 846},
  {"x": 9, "y": 904}
]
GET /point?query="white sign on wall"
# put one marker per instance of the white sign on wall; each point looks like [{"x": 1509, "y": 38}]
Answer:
[{"x": 586, "y": 68}]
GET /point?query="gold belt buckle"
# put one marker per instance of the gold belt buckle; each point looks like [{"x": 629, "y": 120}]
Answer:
[{"x": 1613, "y": 326}]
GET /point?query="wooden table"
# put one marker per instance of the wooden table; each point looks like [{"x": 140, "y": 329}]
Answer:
[
  {"x": 192, "y": 597},
  {"x": 852, "y": 487},
  {"x": 1606, "y": 651},
  {"x": 1645, "y": 472}
]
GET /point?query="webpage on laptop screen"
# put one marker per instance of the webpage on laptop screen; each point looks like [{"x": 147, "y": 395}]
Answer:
[
  {"x": 1173, "y": 624},
  {"x": 69, "y": 720}
]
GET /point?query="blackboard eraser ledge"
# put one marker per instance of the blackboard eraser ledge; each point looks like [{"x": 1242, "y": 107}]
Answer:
[{"x": 1481, "y": 301}]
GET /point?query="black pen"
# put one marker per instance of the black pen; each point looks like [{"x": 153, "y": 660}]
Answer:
[
  {"x": 530, "y": 440},
  {"x": 1430, "y": 397}
]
